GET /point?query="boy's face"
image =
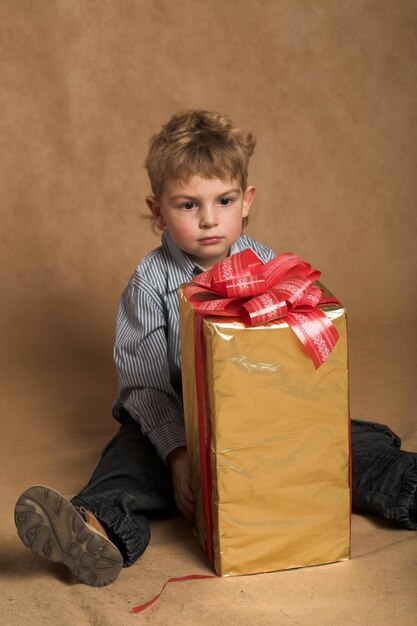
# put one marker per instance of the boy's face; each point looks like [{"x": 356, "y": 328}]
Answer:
[{"x": 203, "y": 215}]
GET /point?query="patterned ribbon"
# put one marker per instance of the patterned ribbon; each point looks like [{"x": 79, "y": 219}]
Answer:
[{"x": 257, "y": 293}]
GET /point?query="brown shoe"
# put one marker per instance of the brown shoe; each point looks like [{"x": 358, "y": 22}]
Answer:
[{"x": 52, "y": 528}]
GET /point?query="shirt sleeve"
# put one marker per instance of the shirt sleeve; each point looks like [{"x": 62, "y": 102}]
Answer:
[{"x": 141, "y": 358}]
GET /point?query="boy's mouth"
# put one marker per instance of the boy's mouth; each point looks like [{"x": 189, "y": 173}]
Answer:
[{"x": 206, "y": 241}]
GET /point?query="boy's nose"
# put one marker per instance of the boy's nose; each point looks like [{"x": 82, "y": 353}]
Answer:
[{"x": 208, "y": 217}]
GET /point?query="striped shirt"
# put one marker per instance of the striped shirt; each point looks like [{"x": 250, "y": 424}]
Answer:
[{"x": 147, "y": 346}]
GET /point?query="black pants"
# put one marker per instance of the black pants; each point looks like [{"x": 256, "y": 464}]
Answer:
[{"x": 131, "y": 484}]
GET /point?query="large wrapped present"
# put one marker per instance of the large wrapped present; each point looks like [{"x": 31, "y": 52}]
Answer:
[{"x": 265, "y": 391}]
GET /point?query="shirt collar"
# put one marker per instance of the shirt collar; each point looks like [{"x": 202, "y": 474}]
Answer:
[
  {"x": 182, "y": 269},
  {"x": 235, "y": 247}
]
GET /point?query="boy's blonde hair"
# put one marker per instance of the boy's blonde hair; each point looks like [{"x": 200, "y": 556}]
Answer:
[{"x": 198, "y": 142}]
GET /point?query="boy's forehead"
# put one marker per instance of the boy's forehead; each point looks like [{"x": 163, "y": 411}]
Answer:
[{"x": 200, "y": 185}]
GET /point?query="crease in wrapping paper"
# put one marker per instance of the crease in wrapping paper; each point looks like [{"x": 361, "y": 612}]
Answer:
[{"x": 279, "y": 448}]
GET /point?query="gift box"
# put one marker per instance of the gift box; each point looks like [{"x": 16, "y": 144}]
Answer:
[{"x": 267, "y": 435}]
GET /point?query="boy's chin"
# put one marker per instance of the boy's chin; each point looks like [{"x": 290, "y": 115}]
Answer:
[{"x": 208, "y": 260}]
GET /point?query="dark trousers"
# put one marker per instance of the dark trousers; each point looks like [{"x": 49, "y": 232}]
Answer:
[{"x": 131, "y": 484}]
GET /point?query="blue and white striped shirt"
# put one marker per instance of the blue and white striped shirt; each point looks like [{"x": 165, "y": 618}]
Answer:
[{"x": 147, "y": 346}]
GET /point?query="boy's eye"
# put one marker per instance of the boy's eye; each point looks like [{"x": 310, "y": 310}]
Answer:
[
  {"x": 225, "y": 201},
  {"x": 187, "y": 205}
]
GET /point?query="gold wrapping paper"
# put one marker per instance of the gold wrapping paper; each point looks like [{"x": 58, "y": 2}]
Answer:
[{"x": 280, "y": 445}]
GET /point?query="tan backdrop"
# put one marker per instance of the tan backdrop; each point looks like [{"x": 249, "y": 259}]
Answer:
[{"x": 329, "y": 90}]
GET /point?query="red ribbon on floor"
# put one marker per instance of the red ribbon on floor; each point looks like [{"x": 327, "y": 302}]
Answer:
[
  {"x": 257, "y": 293},
  {"x": 242, "y": 286},
  {"x": 142, "y": 607}
]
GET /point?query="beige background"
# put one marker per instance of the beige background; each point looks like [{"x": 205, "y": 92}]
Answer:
[{"x": 329, "y": 90}]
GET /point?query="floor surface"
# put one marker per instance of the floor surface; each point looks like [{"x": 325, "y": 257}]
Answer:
[{"x": 56, "y": 420}]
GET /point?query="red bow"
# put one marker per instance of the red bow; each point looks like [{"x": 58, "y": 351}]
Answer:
[{"x": 242, "y": 286}]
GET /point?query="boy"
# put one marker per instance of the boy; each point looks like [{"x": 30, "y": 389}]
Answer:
[{"x": 197, "y": 167}]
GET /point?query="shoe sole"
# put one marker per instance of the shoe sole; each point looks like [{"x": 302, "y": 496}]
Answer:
[{"x": 51, "y": 527}]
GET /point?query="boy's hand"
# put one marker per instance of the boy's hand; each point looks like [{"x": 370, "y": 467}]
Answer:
[{"x": 184, "y": 497}]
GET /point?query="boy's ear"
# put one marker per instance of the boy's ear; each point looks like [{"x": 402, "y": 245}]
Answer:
[
  {"x": 248, "y": 196},
  {"x": 155, "y": 209}
]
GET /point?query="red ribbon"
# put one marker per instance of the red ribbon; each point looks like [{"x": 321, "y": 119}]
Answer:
[
  {"x": 242, "y": 286},
  {"x": 145, "y": 605},
  {"x": 204, "y": 435}
]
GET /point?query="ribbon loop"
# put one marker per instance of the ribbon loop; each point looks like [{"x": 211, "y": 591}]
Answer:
[
  {"x": 245, "y": 286},
  {"x": 265, "y": 308}
]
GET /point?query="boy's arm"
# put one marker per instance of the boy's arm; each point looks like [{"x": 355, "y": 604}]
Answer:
[{"x": 142, "y": 362}]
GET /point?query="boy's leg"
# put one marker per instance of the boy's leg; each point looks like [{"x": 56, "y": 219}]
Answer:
[
  {"x": 384, "y": 478},
  {"x": 129, "y": 484},
  {"x": 51, "y": 527}
]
